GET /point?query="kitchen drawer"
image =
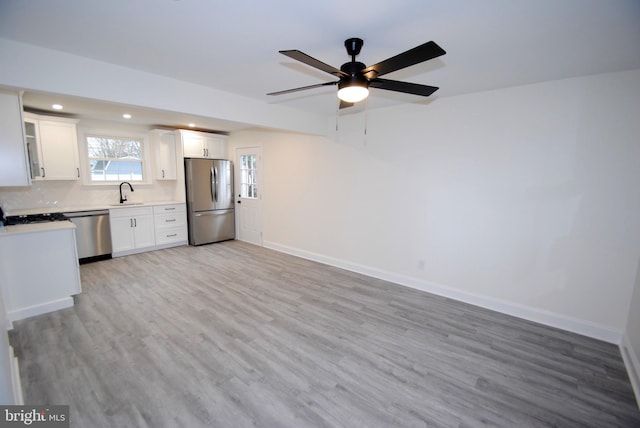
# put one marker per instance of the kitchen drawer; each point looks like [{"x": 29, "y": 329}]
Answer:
[
  {"x": 130, "y": 212},
  {"x": 166, "y": 209},
  {"x": 170, "y": 220},
  {"x": 171, "y": 234}
]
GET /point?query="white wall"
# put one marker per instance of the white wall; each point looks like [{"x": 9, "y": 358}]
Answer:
[{"x": 525, "y": 200}]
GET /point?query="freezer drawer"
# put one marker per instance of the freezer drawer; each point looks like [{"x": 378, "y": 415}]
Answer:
[{"x": 211, "y": 226}]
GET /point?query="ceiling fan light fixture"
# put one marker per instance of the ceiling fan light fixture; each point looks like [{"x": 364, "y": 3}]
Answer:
[
  {"x": 353, "y": 91},
  {"x": 355, "y": 77}
]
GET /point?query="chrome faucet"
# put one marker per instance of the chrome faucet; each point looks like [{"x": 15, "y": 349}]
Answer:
[{"x": 123, "y": 199}]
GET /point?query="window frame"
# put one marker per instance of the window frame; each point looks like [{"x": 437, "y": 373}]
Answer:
[{"x": 85, "y": 161}]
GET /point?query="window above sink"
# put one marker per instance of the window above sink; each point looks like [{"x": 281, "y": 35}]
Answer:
[{"x": 109, "y": 158}]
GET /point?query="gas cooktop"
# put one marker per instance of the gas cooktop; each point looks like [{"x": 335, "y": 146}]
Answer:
[{"x": 34, "y": 218}]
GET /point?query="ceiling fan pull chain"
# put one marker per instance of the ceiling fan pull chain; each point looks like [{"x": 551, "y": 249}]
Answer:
[{"x": 366, "y": 118}]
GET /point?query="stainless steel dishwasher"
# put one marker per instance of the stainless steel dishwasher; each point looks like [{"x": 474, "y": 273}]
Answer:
[{"x": 93, "y": 234}]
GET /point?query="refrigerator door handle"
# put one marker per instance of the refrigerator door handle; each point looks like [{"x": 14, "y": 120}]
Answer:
[
  {"x": 213, "y": 184},
  {"x": 213, "y": 213},
  {"x": 215, "y": 181}
]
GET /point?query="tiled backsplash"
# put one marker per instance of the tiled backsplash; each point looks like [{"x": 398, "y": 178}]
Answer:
[{"x": 49, "y": 194}]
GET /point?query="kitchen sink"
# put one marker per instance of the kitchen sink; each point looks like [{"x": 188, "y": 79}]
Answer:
[{"x": 127, "y": 204}]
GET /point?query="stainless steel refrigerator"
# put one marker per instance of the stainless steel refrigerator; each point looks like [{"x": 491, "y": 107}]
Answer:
[{"x": 210, "y": 201}]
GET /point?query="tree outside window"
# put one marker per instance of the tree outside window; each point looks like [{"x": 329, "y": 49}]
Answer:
[{"x": 115, "y": 158}]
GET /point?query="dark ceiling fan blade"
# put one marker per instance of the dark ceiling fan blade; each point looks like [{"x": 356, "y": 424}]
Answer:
[
  {"x": 318, "y": 85},
  {"x": 344, "y": 104},
  {"x": 406, "y": 87},
  {"x": 306, "y": 59},
  {"x": 413, "y": 56}
]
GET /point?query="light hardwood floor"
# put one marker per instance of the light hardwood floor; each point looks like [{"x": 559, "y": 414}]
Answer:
[{"x": 234, "y": 335}]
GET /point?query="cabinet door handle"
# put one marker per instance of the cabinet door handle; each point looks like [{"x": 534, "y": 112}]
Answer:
[
  {"x": 135, "y": 222},
  {"x": 130, "y": 222},
  {"x": 163, "y": 173},
  {"x": 172, "y": 235},
  {"x": 170, "y": 220},
  {"x": 170, "y": 209},
  {"x": 78, "y": 169},
  {"x": 42, "y": 172}
]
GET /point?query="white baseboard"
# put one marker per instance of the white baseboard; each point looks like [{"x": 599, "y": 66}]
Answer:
[
  {"x": 40, "y": 309},
  {"x": 632, "y": 363},
  {"x": 541, "y": 316}
]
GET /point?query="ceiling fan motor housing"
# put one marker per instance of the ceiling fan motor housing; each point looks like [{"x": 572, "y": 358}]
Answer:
[
  {"x": 353, "y": 81},
  {"x": 352, "y": 68},
  {"x": 355, "y": 78}
]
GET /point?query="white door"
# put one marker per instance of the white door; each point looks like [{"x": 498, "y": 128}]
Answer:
[
  {"x": 193, "y": 145},
  {"x": 144, "y": 231},
  {"x": 165, "y": 155},
  {"x": 121, "y": 233},
  {"x": 249, "y": 189},
  {"x": 59, "y": 144}
]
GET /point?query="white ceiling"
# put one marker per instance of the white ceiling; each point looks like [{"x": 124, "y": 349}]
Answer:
[{"x": 233, "y": 45}]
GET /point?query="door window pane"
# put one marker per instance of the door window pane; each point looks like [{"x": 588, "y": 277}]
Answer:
[{"x": 248, "y": 176}]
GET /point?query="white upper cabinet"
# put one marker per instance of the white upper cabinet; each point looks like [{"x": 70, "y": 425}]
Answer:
[
  {"x": 14, "y": 164},
  {"x": 164, "y": 145},
  {"x": 193, "y": 145},
  {"x": 203, "y": 145},
  {"x": 53, "y": 147}
]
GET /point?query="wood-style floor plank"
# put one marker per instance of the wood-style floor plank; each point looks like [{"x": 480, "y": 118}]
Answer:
[{"x": 234, "y": 335}]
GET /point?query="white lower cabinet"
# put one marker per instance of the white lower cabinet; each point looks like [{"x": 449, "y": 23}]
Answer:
[
  {"x": 132, "y": 230},
  {"x": 38, "y": 268},
  {"x": 171, "y": 224},
  {"x": 148, "y": 228}
]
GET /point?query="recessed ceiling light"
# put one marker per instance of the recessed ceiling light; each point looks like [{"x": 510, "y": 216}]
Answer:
[
  {"x": 126, "y": 116},
  {"x": 56, "y": 107},
  {"x": 191, "y": 125}
]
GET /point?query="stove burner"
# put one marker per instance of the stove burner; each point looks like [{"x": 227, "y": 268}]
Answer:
[{"x": 34, "y": 218}]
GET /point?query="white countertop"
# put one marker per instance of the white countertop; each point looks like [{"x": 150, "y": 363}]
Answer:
[
  {"x": 35, "y": 227},
  {"x": 76, "y": 208}
]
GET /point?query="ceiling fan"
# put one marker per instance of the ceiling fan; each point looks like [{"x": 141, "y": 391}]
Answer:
[{"x": 356, "y": 78}]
